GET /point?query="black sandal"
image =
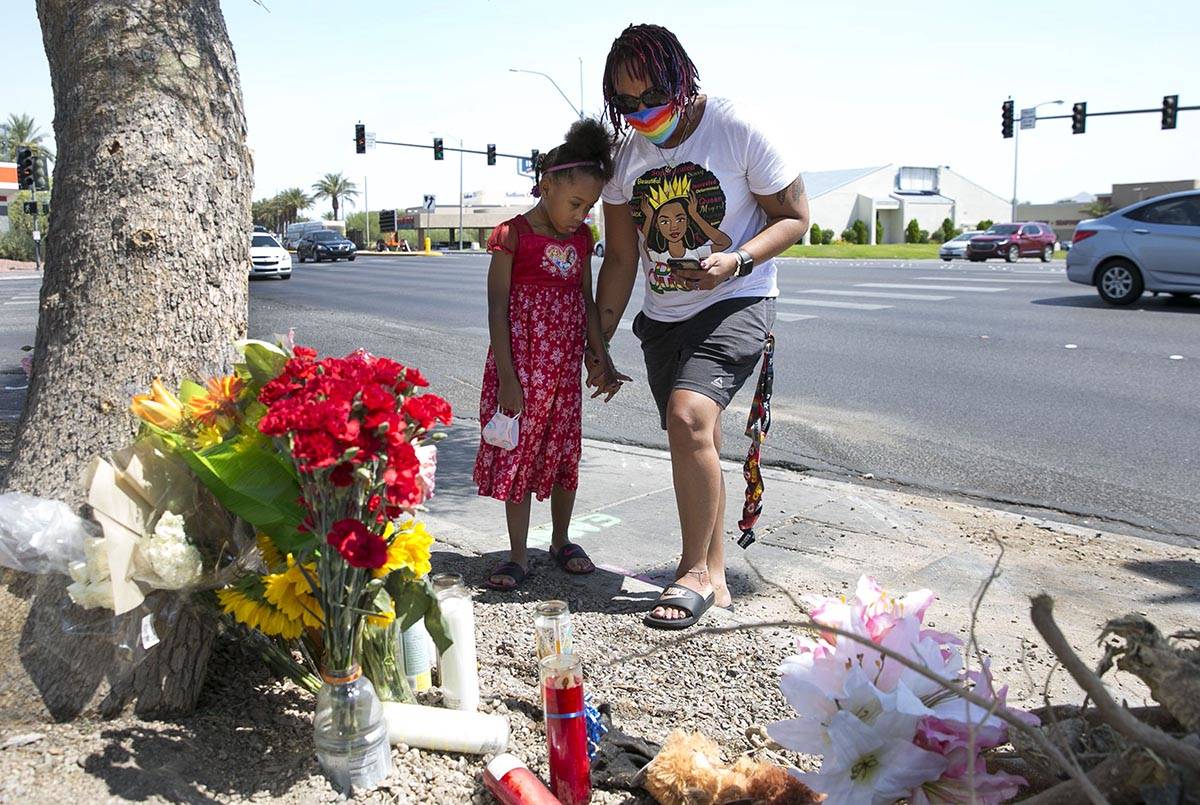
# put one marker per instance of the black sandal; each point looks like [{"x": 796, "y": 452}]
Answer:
[
  {"x": 507, "y": 569},
  {"x": 679, "y": 597},
  {"x": 570, "y": 551}
]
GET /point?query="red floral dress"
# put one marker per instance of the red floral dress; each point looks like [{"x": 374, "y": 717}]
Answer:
[{"x": 548, "y": 323}]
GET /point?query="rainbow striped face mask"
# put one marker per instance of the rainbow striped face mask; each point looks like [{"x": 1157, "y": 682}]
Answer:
[{"x": 656, "y": 124}]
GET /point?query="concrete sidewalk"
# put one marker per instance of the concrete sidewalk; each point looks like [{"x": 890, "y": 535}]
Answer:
[{"x": 818, "y": 535}]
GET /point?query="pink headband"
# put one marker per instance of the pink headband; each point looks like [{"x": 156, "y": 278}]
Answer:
[
  {"x": 569, "y": 165},
  {"x": 536, "y": 192}
]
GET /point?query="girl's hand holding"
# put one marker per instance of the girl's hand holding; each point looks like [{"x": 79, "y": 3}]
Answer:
[
  {"x": 510, "y": 397},
  {"x": 610, "y": 381}
]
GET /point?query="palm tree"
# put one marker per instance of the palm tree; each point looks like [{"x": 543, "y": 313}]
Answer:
[
  {"x": 17, "y": 131},
  {"x": 334, "y": 187},
  {"x": 1097, "y": 209},
  {"x": 291, "y": 202}
]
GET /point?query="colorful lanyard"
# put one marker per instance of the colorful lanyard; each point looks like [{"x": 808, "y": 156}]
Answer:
[{"x": 757, "y": 425}]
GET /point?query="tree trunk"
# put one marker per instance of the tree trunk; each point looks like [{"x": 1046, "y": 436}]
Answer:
[{"x": 146, "y": 269}]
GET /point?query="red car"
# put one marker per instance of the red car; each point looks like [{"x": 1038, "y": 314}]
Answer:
[{"x": 1012, "y": 241}]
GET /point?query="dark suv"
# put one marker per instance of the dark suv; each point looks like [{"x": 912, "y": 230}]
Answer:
[
  {"x": 1012, "y": 241},
  {"x": 324, "y": 244}
]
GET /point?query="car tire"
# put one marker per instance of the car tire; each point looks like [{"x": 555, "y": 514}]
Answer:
[
  {"x": 1047, "y": 254},
  {"x": 300, "y": 256},
  {"x": 1119, "y": 283},
  {"x": 285, "y": 276},
  {"x": 1013, "y": 254},
  {"x": 351, "y": 257},
  {"x": 945, "y": 259}
]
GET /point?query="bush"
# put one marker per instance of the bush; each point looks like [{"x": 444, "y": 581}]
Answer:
[
  {"x": 814, "y": 235},
  {"x": 948, "y": 230},
  {"x": 17, "y": 242},
  {"x": 849, "y": 235},
  {"x": 912, "y": 232},
  {"x": 985, "y": 225},
  {"x": 936, "y": 236},
  {"x": 860, "y": 231},
  {"x": 923, "y": 236},
  {"x": 826, "y": 237},
  {"x": 878, "y": 231}
]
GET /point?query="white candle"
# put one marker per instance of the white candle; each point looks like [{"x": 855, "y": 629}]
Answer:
[{"x": 458, "y": 664}]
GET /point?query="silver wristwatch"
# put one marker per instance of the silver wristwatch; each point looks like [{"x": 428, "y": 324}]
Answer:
[{"x": 745, "y": 263}]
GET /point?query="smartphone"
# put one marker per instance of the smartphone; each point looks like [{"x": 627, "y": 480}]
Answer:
[{"x": 689, "y": 263}]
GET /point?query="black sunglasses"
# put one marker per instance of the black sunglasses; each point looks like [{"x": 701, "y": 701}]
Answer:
[{"x": 629, "y": 104}]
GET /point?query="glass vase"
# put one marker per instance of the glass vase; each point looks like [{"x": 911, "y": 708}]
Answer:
[{"x": 350, "y": 731}]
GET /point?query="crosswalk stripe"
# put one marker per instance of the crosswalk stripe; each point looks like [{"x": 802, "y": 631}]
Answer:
[
  {"x": 784, "y": 316},
  {"x": 989, "y": 279},
  {"x": 24, "y": 302},
  {"x": 919, "y": 297},
  {"x": 964, "y": 288},
  {"x": 824, "y": 303}
]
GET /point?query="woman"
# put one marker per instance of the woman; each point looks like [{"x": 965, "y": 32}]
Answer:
[{"x": 713, "y": 182}]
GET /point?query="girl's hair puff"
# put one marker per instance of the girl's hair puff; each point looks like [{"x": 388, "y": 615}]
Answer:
[{"x": 587, "y": 142}]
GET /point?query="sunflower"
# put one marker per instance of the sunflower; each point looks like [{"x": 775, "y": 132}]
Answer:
[
  {"x": 409, "y": 548},
  {"x": 219, "y": 398},
  {"x": 270, "y": 554},
  {"x": 291, "y": 594},
  {"x": 258, "y": 614}
]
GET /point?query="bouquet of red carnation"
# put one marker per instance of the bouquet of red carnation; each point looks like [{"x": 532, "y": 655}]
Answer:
[{"x": 352, "y": 427}]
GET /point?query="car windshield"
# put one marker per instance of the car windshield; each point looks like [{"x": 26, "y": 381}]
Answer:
[
  {"x": 326, "y": 235},
  {"x": 966, "y": 236},
  {"x": 1002, "y": 229},
  {"x": 263, "y": 240}
]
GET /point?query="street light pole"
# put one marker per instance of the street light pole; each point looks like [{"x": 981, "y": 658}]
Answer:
[
  {"x": 578, "y": 111},
  {"x": 1016, "y": 151}
]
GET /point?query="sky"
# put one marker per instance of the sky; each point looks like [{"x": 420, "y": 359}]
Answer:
[{"x": 840, "y": 85}]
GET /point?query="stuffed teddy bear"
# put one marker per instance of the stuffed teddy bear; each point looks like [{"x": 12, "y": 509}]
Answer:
[{"x": 689, "y": 771}]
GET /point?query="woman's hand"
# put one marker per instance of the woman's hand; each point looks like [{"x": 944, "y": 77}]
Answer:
[
  {"x": 714, "y": 269},
  {"x": 603, "y": 376},
  {"x": 511, "y": 398}
]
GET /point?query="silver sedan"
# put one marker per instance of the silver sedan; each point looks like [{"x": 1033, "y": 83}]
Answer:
[
  {"x": 956, "y": 247},
  {"x": 1152, "y": 245}
]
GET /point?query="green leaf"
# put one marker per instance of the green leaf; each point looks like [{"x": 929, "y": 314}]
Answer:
[
  {"x": 263, "y": 361},
  {"x": 189, "y": 389},
  {"x": 255, "y": 483},
  {"x": 414, "y": 600}
]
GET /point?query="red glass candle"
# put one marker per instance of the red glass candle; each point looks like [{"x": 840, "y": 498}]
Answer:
[{"x": 566, "y": 729}]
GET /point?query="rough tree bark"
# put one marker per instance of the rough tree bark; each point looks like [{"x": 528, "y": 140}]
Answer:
[{"x": 145, "y": 276}]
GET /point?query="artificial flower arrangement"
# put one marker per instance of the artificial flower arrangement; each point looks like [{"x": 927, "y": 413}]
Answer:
[{"x": 884, "y": 731}]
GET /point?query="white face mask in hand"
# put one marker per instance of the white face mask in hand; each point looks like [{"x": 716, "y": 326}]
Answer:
[{"x": 502, "y": 430}]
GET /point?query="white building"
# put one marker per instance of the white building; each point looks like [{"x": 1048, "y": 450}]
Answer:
[{"x": 894, "y": 196}]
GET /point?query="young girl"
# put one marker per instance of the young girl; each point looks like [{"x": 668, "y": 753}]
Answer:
[{"x": 540, "y": 311}]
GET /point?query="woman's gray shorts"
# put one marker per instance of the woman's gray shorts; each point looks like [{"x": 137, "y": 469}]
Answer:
[{"x": 712, "y": 353}]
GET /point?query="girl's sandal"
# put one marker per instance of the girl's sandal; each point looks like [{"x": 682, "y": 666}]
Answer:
[
  {"x": 506, "y": 570},
  {"x": 572, "y": 552}
]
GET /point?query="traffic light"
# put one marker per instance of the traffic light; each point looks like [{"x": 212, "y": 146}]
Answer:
[
  {"x": 25, "y": 169},
  {"x": 1079, "y": 118},
  {"x": 1169, "y": 108},
  {"x": 1006, "y": 121},
  {"x": 491, "y": 153},
  {"x": 438, "y": 151},
  {"x": 41, "y": 176},
  {"x": 360, "y": 138}
]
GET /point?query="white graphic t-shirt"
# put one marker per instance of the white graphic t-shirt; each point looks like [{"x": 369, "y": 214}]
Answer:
[{"x": 691, "y": 201}]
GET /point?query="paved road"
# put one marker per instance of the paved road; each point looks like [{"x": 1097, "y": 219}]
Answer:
[
  {"x": 1005, "y": 382},
  {"x": 952, "y": 377}
]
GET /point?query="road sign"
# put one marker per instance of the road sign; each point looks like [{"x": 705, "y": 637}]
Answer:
[
  {"x": 525, "y": 166},
  {"x": 370, "y": 140},
  {"x": 36, "y": 236},
  {"x": 1028, "y": 118},
  {"x": 430, "y": 203},
  {"x": 387, "y": 220}
]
